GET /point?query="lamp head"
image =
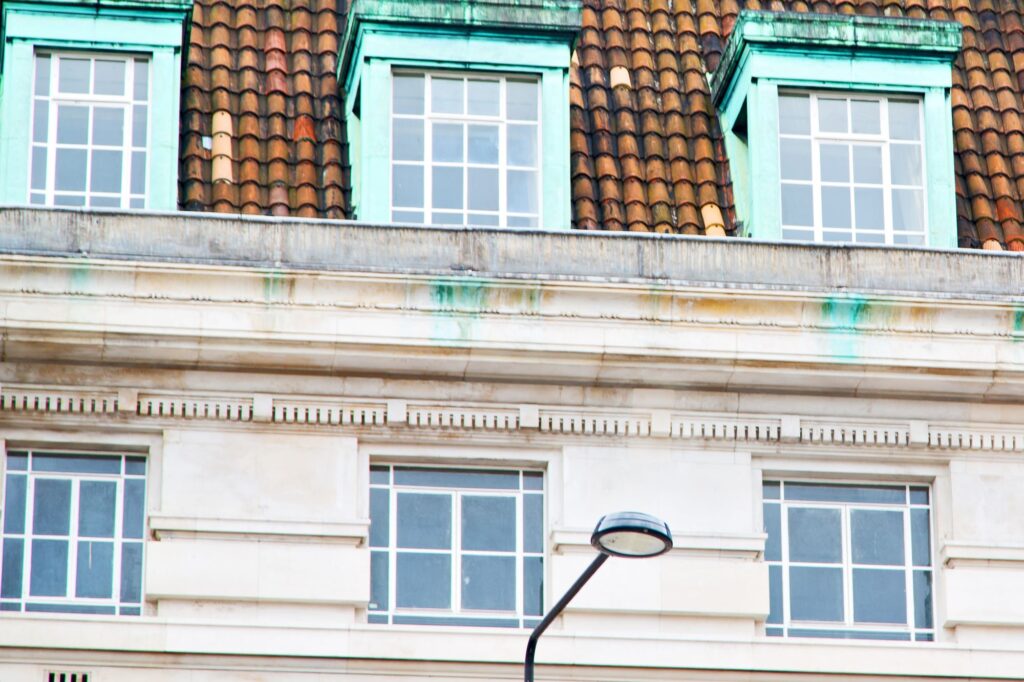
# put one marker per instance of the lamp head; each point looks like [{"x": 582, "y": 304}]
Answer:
[{"x": 631, "y": 534}]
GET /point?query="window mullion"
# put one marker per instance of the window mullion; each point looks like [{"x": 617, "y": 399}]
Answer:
[
  {"x": 392, "y": 545},
  {"x": 784, "y": 526},
  {"x": 847, "y": 558},
  {"x": 72, "y": 579},
  {"x": 908, "y": 565},
  {"x": 456, "y": 552}
]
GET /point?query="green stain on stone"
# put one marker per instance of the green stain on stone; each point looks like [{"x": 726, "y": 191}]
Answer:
[
  {"x": 1018, "y": 325},
  {"x": 457, "y": 305},
  {"x": 841, "y": 316}
]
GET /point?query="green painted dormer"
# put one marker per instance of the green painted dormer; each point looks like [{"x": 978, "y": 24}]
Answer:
[{"x": 839, "y": 129}]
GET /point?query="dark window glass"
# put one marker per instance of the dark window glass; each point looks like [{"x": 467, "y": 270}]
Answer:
[
  {"x": 533, "y": 523},
  {"x": 77, "y": 464},
  {"x": 13, "y": 563},
  {"x": 773, "y": 527},
  {"x": 51, "y": 508},
  {"x": 380, "y": 475},
  {"x": 775, "y": 592},
  {"x": 877, "y": 537},
  {"x": 815, "y": 535},
  {"x": 533, "y": 586},
  {"x": 131, "y": 572},
  {"x": 14, "y": 505},
  {"x": 489, "y": 523},
  {"x": 816, "y": 593},
  {"x": 920, "y": 537},
  {"x": 457, "y": 478},
  {"x": 134, "y": 512},
  {"x": 424, "y": 581},
  {"x": 828, "y": 492},
  {"x": 489, "y": 583},
  {"x": 424, "y": 521},
  {"x": 879, "y": 596},
  {"x": 378, "y": 581},
  {"x": 380, "y": 517},
  {"x": 49, "y": 573},
  {"x": 96, "y": 502},
  {"x": 95, "y": 571},
  {"x": 922, "y": 599}
]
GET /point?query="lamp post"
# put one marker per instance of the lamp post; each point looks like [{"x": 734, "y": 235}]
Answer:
[{"x": 626, "y": 534}]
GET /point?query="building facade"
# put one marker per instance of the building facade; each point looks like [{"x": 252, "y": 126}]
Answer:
[{"x": 330, "y": 330}]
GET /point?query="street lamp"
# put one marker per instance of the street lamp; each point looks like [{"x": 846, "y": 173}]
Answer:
[{"x": 627, "y": 534}]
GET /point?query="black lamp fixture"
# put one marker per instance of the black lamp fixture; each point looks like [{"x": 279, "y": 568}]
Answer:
[{"x": 634, "y": 535}]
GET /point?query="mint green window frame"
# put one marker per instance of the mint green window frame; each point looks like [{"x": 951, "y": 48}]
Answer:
[
  {"x": 156, "y": 33},
  {"x": 380, "y": 50}
]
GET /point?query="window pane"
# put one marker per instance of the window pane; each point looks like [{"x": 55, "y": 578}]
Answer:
[
  {"x": 522, "y": 145},
  {"x": 407, "y": 94},
  {"x": 864, "y": 117},
  {"x": 920, "y": 537},
  {"x": 95, "y": 574},
  {"x": 907, "y": 210},
  {"x": 17, "y": 461},
  {"x": 141, "y": 88},
  {"x": 906, "y": 164},
  {"x": 135, "y": 466},
  {"x": 489, "y": 583},
  {"x": 483, "y": 144},
  {"x": 380, "y": 475},
  {"x": 51, "y": 507},
  {"x": 771, "y": 490},
  {"x": 533, "y": 586},
  {"x": 131, "y": 572},
  {"x": 68, "y": 200},
  {"x": 407, "y": 185},
  {"x": 73, "y": 75},
  {"x": 457, "y": 478},
  {"x": 484, "y": 98},
  {"x": 138, "y": 172},
  {"x": 835, "y": 207},
  {"x": 489, "y": 523},
  {"x": 832, "y": 115},
  {"x": 106, "y": 171},
  {"x": 869, "y": 208},
  {"x": 424, "y": 581},
  {"x": 40, "y": 120},
  {"x": 447, "y": 187},
  {"x": 408, "y": 139},
  {"x": 483, "y": 189},
  {"x": 816, "y": 593},
  {"x": 424, "y": 521},
  {"x": 773, "y": 527},
  {"x": 835, "y": 162},
  {"x": 832, "y": 492},
  {"x": 134, "y": 509},
  {"x": 815, "y": 535},
  {"x": 795, "y": 114},
  {"x": 775, "y": 613},
  {"x": 879, "y": 596},
  {"x": 43, "y": 74},
  {"x": 483, "y": 219},
  {"x": 918, "y": 495},
  {"x": 49, "y": 573},
  {"x": 903, "y": 120},
  {"x": 12, "y": 567},
  {"x": 72, "y": 124},
  {"x": 71, "y": 165},
  {"x": 446, "y": 95},
  {"x": 105, "y": 202},
  {"x": 867, "y": 163},
  {"x": 378, "y": 581},
  {"x": 877, "y": 537},
  {"x": 407, "y": 217},
  {"x": 533, "y": 480},
  {"x": 533, "y": 523},
  {"x": 443, "y": 218},
  {"x": 522, "y": 100},
  {"x": 795, "y": 155},
  {"x": 797, "y": 204},
  {"x": 140, "y": 119},
  {"x": 109, "y": 77},
  {"x": 522, "y": 191},
  {"x": 446, "y": 139},
  {"x": 96, "y": 501},
  {"x": 520, "y": 221},
  {"x": 380, "y": 517},
  {"x": 38, "y": 167},
  {"x": 14, "y": 504},
  {"x": 922, "y": 599}
]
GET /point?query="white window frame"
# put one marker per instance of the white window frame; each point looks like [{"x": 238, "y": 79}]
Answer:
[
  {"x": 466, "y": 119},
  {"x": 817, "y": 138},
  {"x": 917, "y": 634},
  {"x": 127, "y": 102},
  {"x": 445, "y": 616}
]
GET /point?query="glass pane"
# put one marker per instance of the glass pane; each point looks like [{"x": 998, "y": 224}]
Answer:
[
  {"x": 795, "y": 158},
  {"x": 130, "y": 611},
  {"x": 105, "y": 202},
  {"x": 38, "y": 167},
  {"x": 137, "y": 203},
  {"x": 879, "y": 596},
  {"x": 835, "y": 207},
  {"x": 141, "y": 89},
  {"x": 775, "y": 594},
  {"x": 865, "y": 116},
  {"x": 794, "y": 114},
  {"x": 96, "y": 501},
  {"x": 533, "y": 523},
  {"x": 49, "y": 572},
  {"x": 877, "y": 537},
  {"x": 922, "y": 599},
  {"x": 51, "y": 507},
  {"x": 407, "y": 217},
  {"x": 483, "y": 219},
  {"x": 77, "y": 464},
  {"x": 378, "y": 581},
  {"x": 533, "y": 480},
  {"x": 14, "y": 504},
  {"x": 424, "y": 581},
  {"x": 106, "y": 171},
  {"x": 522, "y": 145},
  {"x": 407, "y": 185},
  {"x": 446, "y": 218},
  {"x": 484, "y": 98},
  {"x": 138, "y": 172},
  {"x": 447, "y": 187},
  {"x": 424, "y": 521},
  {"x": 522, "y": 100},
  {"x": 815, "y": 593},
  {"x": 907, "y": 210},
  {"x": 489, "y": 523},
  {"x": 140, "y": 119},
  {"x": 135, "y": 466},
  {"x": 17, "y": 461},
  {"x": 40, "y": 120},
  {"x": 446, "y": 95},
  {"x": 483, "y": 144},
  {"x": 521, "y": 221},
  {"x": 849, "y": 634},
  {"x": 407, "y": 94},
  {"x": 909, "y": 239},
  {"x": 446, "y": 139},
  {"x": 920, "y": 535},
  {"x": 870, "y": 237},
  {"x": 95, "y": 571},
  {"x": 12, "y": 567},
  {"x": 457, "y": 478},
  {"x": 773, "y": 527},
  {"x": 73, "y": 75},
  {"x": 489, "y": 583},
  {"x": 380, "y": 517},
  {"x": 109, "y": 76},
  {"x": 905, "y": 164},
  {"x": 483, "y": 189},
  {"x": 43, "y": 74},
  {"x": 72, "y": 124},
  {"x": 919, "y": 495},
  {"x": 815, "y": 535},
  {"x": 68, "y": 200},
  {"x": 522, "y": 191},
  {"x": 131, "y": 572},
  {"x": 798, "y": 235},
  {"x": 408, "y": 139},
  {"x": 832, "y": 492},
  {"x": 797, "y": 204},
  {"x": 71, "y": 169},
  {"x": 835, "y": 162},
  {"x": 904, "y": 123},
  {"x": 37, "y": 199},
  {"x": 380, "y": 475},
  {"x": 533, "y": 586},
  {"x": 771, "y": 490},
  {"x": 867, "y": 164},
  {"x": 832, "y": 115},
  {"x": 133, "y": 515},
  {"x": 869, "y": 208}
]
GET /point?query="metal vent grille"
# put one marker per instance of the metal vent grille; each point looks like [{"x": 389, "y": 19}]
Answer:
[{"x": 68, "y": 677}]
